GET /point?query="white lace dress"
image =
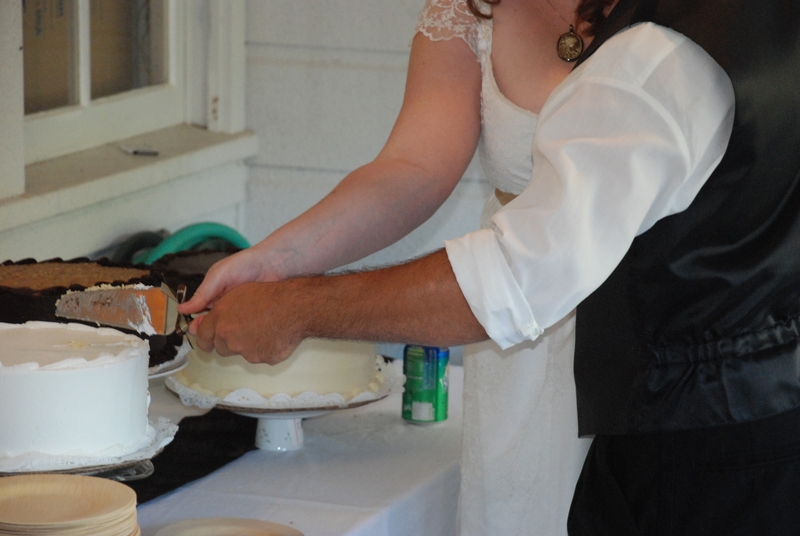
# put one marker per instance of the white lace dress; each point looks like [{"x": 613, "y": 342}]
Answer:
[{"x": 521, "y": 451}]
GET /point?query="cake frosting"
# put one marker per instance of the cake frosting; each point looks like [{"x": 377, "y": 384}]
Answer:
[
  {"x": 319, "y": 366},
  {"x": 71, "y": 389}
]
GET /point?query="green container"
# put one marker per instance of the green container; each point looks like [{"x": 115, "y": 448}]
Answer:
[{"x": 425, "y": 395}]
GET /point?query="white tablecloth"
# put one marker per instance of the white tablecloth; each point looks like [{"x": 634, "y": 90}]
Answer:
[{"x": 362, "y": 471}]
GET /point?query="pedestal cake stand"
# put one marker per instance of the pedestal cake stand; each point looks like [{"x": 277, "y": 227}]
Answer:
[{"x": 280, "y": 429}]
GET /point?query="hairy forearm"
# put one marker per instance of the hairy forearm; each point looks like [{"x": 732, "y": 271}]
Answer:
[{"x": 417, "y": 302}]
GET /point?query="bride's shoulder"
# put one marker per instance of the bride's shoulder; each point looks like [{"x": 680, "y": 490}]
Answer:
[{"x": 447, "y": 19}]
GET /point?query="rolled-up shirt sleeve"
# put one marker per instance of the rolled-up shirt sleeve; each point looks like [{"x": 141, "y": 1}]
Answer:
[{"x": 628, "y": 138}]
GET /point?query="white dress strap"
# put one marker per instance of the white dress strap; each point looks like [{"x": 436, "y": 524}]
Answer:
[{"x": 442, "y": 20}]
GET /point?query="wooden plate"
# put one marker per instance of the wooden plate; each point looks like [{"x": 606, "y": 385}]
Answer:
[
  {"x": 42, "y": 500},
  {"x": 227, "y": 526}
]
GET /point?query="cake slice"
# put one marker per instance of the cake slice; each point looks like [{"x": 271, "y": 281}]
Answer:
[{"x": 138, "y": 307}]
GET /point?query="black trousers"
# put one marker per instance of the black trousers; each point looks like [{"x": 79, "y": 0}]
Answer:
[{"x": 735, "y": 480}]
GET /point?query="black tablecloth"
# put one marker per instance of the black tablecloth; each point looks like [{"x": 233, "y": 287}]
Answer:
[{"x": 202, "y": 445}]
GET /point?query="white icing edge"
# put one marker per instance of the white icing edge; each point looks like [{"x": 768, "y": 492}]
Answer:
[
  {"x": 133, "y": 342},
  {"x": 106, "y": 286}
]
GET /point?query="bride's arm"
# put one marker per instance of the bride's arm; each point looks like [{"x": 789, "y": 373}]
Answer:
[{"x": 430, "y": 146}]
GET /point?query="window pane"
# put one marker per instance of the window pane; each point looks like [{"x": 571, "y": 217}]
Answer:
[
  {"x": 125, "y": 49},
  {"x": 46, "y": 53}
]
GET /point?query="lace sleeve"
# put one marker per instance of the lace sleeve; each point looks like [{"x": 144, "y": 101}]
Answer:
[{"x": 441, "y": 20}]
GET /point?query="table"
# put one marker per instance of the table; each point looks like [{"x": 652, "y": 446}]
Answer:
[{"x": 362, "y": 472}]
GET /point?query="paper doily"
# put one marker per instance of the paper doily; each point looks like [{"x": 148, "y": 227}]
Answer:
[
  {"x": 159, "y": 435},
  {"x": 386, "y": 375}
]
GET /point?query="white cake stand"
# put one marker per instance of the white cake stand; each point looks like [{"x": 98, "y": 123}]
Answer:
[
  {"x": 279, "y": 429},
  {"x": 281, "y": 432}
]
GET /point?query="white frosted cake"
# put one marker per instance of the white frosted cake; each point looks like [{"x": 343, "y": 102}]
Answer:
[
  {"x": 317, "y": 366},
  {"x": 72, "y": 390}
]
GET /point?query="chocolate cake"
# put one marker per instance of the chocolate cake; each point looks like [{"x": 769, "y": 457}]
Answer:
[{"x": 29, "y": 290}]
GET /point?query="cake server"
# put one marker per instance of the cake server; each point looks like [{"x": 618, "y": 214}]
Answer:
[{"x": 149, "y": 310}]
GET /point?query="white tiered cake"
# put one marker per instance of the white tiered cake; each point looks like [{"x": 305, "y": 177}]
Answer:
[{"x": 72, "y": 390}]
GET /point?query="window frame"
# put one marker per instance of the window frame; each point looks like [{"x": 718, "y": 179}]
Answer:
[
  {"x": 12, "y": 161},
  {"x": 51, "y": 133},
  {"x": 211, "y": 74}
]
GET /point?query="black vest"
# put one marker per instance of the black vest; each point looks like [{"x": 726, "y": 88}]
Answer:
[{"x": 699, "y": 325}]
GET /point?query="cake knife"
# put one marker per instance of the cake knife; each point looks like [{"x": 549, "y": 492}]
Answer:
[{"x": 149, "y": 310}]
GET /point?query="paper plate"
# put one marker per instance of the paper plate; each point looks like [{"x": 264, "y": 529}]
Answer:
[
  {"x": 42, "y": 500},
  {"x": 227, "y": 526}
]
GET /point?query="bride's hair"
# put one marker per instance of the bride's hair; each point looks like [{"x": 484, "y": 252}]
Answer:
[{"x": 589, "y": 11}]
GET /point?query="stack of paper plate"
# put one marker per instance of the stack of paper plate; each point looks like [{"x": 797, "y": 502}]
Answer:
[{"x": 67, "y": 505}]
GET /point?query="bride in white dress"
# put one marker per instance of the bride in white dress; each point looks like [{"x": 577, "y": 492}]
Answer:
[
  {"x": 473, "y": 83},
  {"x": 521, "y": 451}
]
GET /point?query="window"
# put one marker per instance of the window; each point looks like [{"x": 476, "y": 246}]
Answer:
[
  {"x": 124, "y": 49},
  {"x": 96, "y": 71},
  {"x": 202, "y": 83}
]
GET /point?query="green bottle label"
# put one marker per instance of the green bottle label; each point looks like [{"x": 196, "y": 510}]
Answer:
[{"x": 426, "y": 388}]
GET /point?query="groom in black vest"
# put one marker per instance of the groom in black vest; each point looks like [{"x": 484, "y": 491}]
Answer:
[{"x": 688, "y": 357}]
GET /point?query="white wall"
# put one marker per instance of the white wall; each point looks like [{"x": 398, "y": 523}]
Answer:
[
  {"x": 12, "y": 151},
  {"x": 324, "y": 84}
]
